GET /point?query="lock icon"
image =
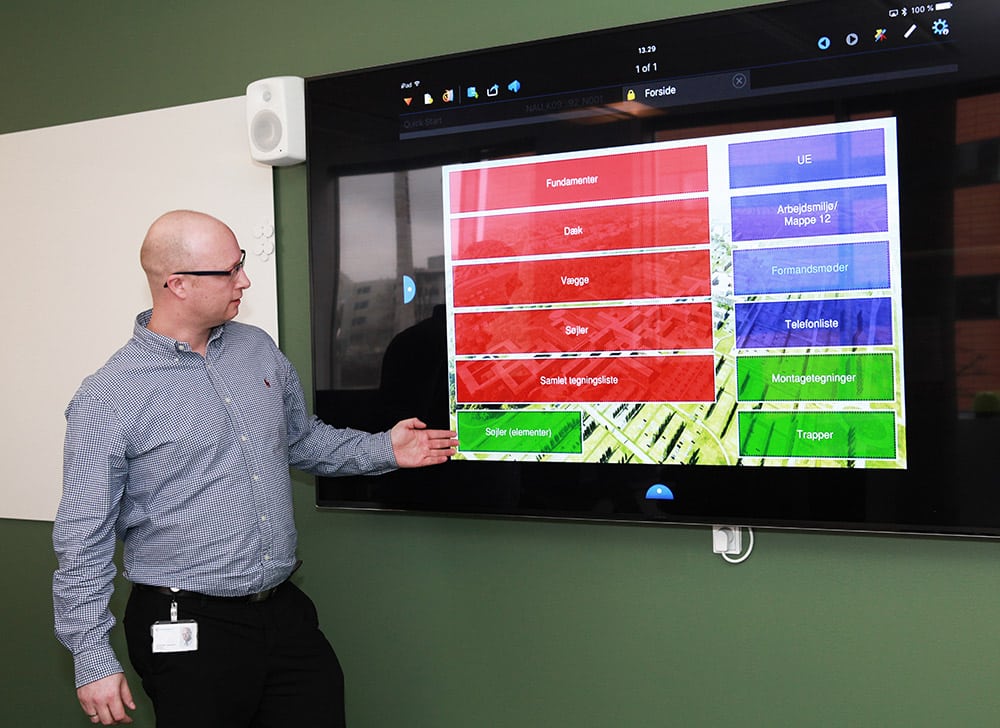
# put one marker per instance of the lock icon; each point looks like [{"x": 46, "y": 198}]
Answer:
[{"x": 630, "y": 95}]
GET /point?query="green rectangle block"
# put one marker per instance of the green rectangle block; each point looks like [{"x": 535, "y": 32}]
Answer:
[
  {"x": 829, "y": 377},
  {"x": 518, "y": 431},
  {"x": 847, "y": 435}
]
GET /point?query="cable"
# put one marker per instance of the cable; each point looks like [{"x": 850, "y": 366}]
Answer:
[{"x": 746, "y": 554}]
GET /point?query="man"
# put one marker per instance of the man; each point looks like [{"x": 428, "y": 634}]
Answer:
[{"x": 180, "y": 446}]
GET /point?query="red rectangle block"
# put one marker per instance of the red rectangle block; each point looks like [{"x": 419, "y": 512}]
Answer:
[
  {"x": 588, "y": 379},
  {"x": 580, "y": 179},
  {"x": 603, "y": 328},
  {"x": 609, "y": 227},
  {"x": 571, "y": 280}
]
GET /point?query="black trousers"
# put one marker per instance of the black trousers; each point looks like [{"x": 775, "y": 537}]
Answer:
[{"x": 258, "y": 664}]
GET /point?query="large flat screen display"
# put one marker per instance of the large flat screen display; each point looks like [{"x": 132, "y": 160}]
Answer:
[{"x": 738, "y": 267}]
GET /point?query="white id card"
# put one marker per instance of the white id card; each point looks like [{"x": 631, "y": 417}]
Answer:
[{"x": 177, "y": 636}]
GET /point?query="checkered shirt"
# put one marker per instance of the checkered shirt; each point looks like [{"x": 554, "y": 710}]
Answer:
[{"x": 185, "y": 459}]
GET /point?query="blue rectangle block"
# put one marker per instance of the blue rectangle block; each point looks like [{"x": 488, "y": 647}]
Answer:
[
  {"x": 844, "y": 155},
  {"x": 841, "y": 267},
  {"x": 809, "y": 213},
  {"x": 797, "y": 324}
]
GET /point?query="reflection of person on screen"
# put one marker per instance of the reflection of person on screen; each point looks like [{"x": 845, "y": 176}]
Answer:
[
  {"x": 415, "y": 380},
  {"x": 415, "y": 372}
]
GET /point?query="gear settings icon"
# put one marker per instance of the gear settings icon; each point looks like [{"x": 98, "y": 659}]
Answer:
[{"x": 940, "y": 27}]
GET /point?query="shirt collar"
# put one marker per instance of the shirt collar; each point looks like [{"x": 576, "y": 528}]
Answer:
[{"x": 165, "y": 344}]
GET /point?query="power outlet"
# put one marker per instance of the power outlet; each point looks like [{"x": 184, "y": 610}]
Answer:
[{"x": 727, "y": 539}]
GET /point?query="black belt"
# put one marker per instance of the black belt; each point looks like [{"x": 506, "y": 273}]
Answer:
[{"x": 261, "y": 596}]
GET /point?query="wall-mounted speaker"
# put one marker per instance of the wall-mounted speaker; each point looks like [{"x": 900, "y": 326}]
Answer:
[{"x": 276, "y": 120}]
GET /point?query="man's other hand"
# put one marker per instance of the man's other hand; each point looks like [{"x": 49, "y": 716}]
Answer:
[{"x": 104, "y": 701}]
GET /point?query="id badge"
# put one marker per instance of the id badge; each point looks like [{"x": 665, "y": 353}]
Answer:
[{"x": 179, "y": 636}]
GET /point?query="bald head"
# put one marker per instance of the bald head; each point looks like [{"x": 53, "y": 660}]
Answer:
[
  {"x": 179, "y": 240},
  {"x": 195, "y": 269}
]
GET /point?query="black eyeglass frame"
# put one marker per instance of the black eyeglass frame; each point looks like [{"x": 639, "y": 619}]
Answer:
[{"x": 231, "y": 272}]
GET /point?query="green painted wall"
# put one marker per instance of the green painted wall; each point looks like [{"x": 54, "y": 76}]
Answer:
[{"x": 455, "y": 623}]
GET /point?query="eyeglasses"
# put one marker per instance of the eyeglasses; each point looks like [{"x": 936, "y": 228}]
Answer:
[{"x": 231, "y": 272}]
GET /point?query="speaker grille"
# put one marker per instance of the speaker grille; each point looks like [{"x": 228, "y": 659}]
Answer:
[{"x": 265, "y": 130}]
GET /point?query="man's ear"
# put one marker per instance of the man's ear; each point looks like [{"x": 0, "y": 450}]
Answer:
[{"x": 177, "y": 285}]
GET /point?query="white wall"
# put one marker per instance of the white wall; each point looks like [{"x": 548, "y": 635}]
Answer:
[{"x": 75, "y": 202}]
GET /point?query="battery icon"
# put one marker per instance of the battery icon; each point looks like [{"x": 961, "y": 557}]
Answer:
[{"x": 943, "y": 6}]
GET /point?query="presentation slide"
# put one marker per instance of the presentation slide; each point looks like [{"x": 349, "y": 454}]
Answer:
[{"x": 724, "y": 300}]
